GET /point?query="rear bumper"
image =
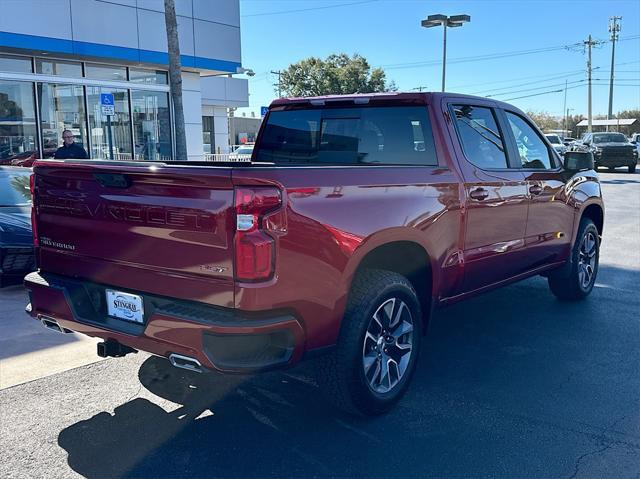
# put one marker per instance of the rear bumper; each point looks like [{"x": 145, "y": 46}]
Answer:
[{"x": 221, "y": 339}]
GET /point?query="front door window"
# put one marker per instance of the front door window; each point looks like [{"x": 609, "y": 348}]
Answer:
[
  {"x": 61, "y": 108},
  {"x": 110, "y": 137},
  {"x": 18, "y": 140},
  {"x": 151, "y": 125}
]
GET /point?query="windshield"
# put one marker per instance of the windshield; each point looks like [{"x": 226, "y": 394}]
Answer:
[
  {"x": 554, "y": 139},
  {"x": 14, "y": 187},
  {"x": 609, "y": 138}
]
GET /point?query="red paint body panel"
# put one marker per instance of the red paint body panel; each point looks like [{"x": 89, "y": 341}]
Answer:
[{"x": 170, "y": 232}]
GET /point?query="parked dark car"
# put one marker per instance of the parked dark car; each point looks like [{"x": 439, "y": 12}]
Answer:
[
  {"x": 16, "y": 240},
  {"x": 610, "y": 150}
]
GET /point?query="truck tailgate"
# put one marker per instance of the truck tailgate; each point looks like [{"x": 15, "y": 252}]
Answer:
[{"x": 161, "y": 229}]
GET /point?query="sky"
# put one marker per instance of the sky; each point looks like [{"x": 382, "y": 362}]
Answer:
[{"x": 510, "y": 49}]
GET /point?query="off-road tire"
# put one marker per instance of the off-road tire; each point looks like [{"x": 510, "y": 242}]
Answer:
[
  {"x": 341, "y": 373},
  {"x": 566, "y": 283}
]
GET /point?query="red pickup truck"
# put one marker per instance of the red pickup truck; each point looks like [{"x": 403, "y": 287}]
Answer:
[{"x": 357, "y": 216}]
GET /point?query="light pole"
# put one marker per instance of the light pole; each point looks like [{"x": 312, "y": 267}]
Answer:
[
  {"x": 452, "y": 22},
  {"x": 566, "y": 120}
]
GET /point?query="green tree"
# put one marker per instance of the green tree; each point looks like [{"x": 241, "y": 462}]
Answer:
[
  {"x": 338, "y": 74},
  {"x": 545, "y": 120}
]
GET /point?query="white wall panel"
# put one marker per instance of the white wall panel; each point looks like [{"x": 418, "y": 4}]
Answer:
[
  {"x": 185, "y": 35},
  {"x": 192, "y": 106},
  {"x": 47, "y": 18},
  {"x": 127, "y": 3},
  {"x": 225, "y": 91},
  {"x": 194, "y": 140},
  {"x": 153, "y": 34},
  {"x": 213, "y": 40},
  {"x": 221, "y": 11},
  {"x": 105, "y": 23},
  {"x": 237, "y": 89},
  {"x": 222, "y": 142},
  {"x": 183, "y": 7},
  {"x": 191, "y": 81}
]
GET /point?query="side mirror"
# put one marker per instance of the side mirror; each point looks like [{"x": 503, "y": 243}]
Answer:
[{"x": 578, "y": 161}]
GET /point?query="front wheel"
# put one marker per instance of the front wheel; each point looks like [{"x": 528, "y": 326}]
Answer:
[
  {"x": 378, "y": 346},
  {"x": 632, "y": 168},
  {"x": 575, "y": 280}
]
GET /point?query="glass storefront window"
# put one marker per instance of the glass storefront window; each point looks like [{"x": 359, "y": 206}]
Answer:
[
  {"x": 208, "y": 135},
  {"x": 59, "y": 67},
  {"x": 10, "y": 63},
  {"x": 151, "y": 125},
  {"x": 156, "y": 77},
  {"x": 61, "y": 108},
  {"x": 120, "y": 144},
  {"x": 105, "y": 72},
  {"x": 18, "y": 136}
]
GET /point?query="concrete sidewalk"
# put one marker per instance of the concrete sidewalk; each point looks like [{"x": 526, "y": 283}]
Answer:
[{"x": 28, "y": 350}]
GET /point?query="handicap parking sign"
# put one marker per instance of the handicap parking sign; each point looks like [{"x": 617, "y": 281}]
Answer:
[
  {"x": 106, "y": 99},
  {"x": 107, "y": 104},
  {"x": 263, "y": 111}
]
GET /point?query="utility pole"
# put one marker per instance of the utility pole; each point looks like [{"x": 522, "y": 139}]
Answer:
[
  {"x": 614, "y": 29},
  {"x": 589, "y": 44},
  {"x": 582, "y": 46},
  {"x": 279, "y": 84},
  {"x": 566, "y": 120},
  {"x": 564, "y": 108}
]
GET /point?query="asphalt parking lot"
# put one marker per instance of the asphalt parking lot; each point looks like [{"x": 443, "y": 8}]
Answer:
[{"x": 510, "y": 384}]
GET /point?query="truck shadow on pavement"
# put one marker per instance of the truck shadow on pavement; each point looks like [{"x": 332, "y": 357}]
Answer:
[{"x": 498, "y": 378}]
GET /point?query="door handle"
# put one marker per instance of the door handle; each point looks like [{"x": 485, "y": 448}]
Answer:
[
  {"x": 535, "y": 189},
  {"x": 479, "y": 194}
]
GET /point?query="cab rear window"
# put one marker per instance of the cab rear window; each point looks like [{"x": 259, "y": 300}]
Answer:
[{"x": 349, "y": 136}]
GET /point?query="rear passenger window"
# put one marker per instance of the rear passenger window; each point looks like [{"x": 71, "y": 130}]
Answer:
[
  {"x": 480, "y": 137},
  {"x": 532, "y": 149},
  {"x": 349, "y": 136}
]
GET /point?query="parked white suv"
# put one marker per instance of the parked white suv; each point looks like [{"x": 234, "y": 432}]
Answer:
[{"x": 557, "y": 143}]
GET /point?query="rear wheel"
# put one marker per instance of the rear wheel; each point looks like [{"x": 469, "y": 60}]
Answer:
[
  {"x": 632, "y": 168},
  {"x": 378, "y": 346},
  {"x": 575, "y": 280}
]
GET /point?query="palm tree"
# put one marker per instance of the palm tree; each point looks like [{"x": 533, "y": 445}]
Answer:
[{"x": 175, "y": 78}]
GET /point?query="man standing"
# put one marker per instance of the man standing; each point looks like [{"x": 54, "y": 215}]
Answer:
[{"x": 69, "y": 150}]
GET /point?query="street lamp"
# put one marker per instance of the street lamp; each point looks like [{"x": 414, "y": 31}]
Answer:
[{"x": 452, "y": 22}]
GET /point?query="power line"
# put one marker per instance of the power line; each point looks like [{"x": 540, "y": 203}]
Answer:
[
  {"x": 537, "y": 88},
  {"x": 325, "y": 7},
  {"x": 579, "y": 72},
  {"x": 491, "y": 56},
  {"x": 602, "y": 83}
]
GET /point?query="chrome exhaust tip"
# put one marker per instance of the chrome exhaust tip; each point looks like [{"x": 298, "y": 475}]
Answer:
[
  {"x": 185, "y": 362},
  {"x": 52, "y": 324}
]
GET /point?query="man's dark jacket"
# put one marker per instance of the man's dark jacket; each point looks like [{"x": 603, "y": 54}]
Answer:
[{"x": 71, "y": 152}]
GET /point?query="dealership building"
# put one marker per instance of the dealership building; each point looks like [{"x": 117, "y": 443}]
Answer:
[{"x": 60, "y": 59}]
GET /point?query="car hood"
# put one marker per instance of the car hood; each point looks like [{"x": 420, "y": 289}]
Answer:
[{"x": 15, "y": 226}]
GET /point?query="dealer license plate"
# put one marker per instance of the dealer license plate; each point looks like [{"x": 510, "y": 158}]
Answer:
[{"x": 125, "y": 306}]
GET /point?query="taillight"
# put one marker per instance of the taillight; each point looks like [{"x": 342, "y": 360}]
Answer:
[
  {"x": 254, "y": 248},
  {"x": 34, "y": 224}
]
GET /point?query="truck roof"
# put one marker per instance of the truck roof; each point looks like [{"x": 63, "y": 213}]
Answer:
[{"x": 384, "y": 98}]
